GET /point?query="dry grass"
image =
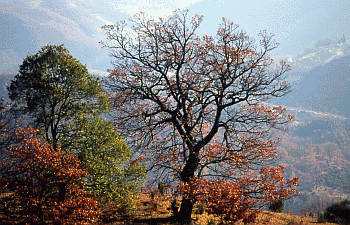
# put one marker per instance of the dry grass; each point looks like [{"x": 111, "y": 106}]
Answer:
[
  {"x": 159, "y": 207},
  {"x": 273, "y": 218}
]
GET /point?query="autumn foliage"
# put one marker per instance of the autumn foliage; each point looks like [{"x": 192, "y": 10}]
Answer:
[
  {"x": 44, "y": 185},
  {"x": 240, "y": 199}
]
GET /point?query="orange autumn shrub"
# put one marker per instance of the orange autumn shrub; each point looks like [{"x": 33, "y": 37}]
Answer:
[
  {"x": 240, "y": 199},
  {"x": 45, "y": 185}
]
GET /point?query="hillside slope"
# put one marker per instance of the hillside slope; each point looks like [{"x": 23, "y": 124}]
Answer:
[{"x": 320, "y": 78}]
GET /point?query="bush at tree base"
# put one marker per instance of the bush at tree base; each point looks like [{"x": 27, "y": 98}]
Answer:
[
  {"x": 45, "y": 185},
  {"x": 277, "y": 206},
  {"x": 230, "y": 200},
  {"x": 338, "y": 212},
  {"x": 201, "y": 208}
]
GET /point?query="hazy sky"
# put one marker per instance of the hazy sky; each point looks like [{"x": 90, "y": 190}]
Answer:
[{"x": 25, "y": 26}]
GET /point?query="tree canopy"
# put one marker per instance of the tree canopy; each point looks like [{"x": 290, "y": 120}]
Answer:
[
  {"x": 113, "y": 176},
  {"x": 193, "y": 107},
  {"x": 53, "y": 88},
  {"x": 66, "y": 103}
]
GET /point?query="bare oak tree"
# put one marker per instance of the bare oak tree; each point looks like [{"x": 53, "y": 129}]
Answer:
[{"x": 194, "y": 107}]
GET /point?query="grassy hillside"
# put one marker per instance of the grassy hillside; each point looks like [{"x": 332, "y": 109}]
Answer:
[
  {"x": 157, "y": 210},
  {"x": 320, "y": 78},
  {"x": 159, "y": 207}
]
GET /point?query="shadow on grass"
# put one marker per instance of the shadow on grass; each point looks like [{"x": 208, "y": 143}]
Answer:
[{"x": 156, "y": 221}]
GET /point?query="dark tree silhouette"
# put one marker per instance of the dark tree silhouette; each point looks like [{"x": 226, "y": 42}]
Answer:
[{"x": 194, "y": 107}]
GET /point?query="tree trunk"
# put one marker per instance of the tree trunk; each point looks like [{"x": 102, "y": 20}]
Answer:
[
  {"x": 190, "y": 167},
  {"x": 184, "y": 216}
]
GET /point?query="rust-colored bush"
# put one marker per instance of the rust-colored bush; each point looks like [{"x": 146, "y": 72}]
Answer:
[{"x": 46, "y": 184}]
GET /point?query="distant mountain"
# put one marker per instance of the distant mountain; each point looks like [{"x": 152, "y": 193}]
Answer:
[
  {"x": 316, "y": 146},
  {"x": 324, "y": 51},
  {"x": 316, "y": 149},
  {"x": 320, "y": 79},
  {"x": 26, "y": 26}
]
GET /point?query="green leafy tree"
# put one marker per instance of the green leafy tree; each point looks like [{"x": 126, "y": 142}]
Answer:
[
  {"x": 66, "y": 103},
  {"x": 54, "y": 88},
  {"x": 107, "y": 158}
]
